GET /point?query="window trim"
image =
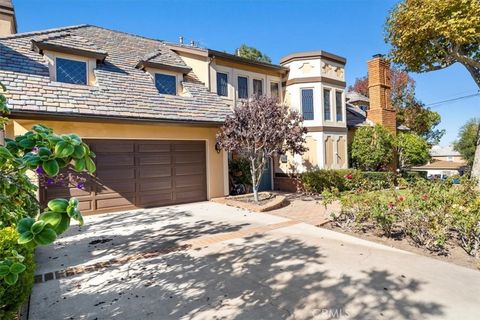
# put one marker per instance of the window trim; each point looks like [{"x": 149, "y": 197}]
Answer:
[
  {"x": 228, "y": 76},
  {"x": 87, "y": 69},
  {"x": 238, "y": 87},
  {"x": 166, "y": 74},
  {"x": 329, "y": 104},
  {"x": 313, "y": 103}
]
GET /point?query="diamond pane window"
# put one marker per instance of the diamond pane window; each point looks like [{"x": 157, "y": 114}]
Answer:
[
  {"x": 222, "y": 84},
  {"x": 242, "y": 87},
  {"x": 71, "y": 71},
  {"x": 166, "y": 84}
]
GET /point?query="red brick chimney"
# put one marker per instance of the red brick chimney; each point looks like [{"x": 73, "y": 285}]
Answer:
[{"x": 379, "y": 87}]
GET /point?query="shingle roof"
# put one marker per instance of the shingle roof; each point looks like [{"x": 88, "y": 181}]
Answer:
[
  {"x": 353, "y": 96},
  {"x": 442, "y": 165},
  {"x": 356, "y": 117},
  {"x": 121, "y": 91},
  {"x": 439, "y": 151}
]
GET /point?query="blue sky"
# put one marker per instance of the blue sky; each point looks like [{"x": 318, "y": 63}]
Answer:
[{"x": 353, "y": 29}]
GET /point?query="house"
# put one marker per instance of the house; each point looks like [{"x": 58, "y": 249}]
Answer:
[
  {"x": 150, "y": 109},
  {"x": 445, "y": 162}
]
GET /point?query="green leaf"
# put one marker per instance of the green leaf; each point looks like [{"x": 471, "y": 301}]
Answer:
[
  {"x": 26, "y": 143},
  {"x": 64, "y": 149},
  {"x": 17, "y": 268},
  {"x": 60, "y": 222},
  {"x": 79, "y": 152},
  {"x": 76, "y": 140},
  {"x": 32, "y": 160},
  {"x": 58, "y": 205},
  {"x": 11, "y": 278},
  {"x": 73, "y": 201},
  {"x": 51, "y": 168},
  {"x": 4, "y": 153},
  {"x": 72, "y": 211},
  {"x": 4, "y": 270},
  {"x": 25, "y": 237},
  {"x": 90, "y": 165},
  {"x": 37, "y": 227},
  {"x": 47, "y": 236},
  {"x": 79, "y": 165},
  {"x": 25, "y": 225},
  {"x": 44, "y": 153}
]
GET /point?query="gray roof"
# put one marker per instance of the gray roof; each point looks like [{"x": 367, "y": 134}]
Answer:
[
  {"x": 443, "y": 151},
  {"x": 122, "y": 90},
  {"x": 353, "y": 96},
  {"x": 356, "y": 117}
]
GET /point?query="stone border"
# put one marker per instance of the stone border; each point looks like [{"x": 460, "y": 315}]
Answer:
[{"x": 278, "y": 202}]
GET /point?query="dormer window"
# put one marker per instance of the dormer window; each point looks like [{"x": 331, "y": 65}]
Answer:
[
  {"x": 166, "y": 84},
  {"x": 71, "y": 71}
]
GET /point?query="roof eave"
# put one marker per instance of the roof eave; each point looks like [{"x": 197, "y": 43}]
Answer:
[
  {"x": 220, "y": 54},
  {"x": 40, "y": 47},
  {"x": 142, "y": 64}
]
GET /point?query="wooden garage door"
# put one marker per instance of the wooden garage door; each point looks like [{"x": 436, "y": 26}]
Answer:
[{"x": 139, "y": 174}]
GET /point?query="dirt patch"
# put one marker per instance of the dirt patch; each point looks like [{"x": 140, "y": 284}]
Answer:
[
  {"x": 455, "y": 255},
  {"x": 267, "y": 201}
]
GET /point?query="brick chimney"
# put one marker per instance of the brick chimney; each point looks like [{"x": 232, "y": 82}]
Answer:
[
  {"x": 379, "y": 87},
  {"x": 8, "y": 23}
]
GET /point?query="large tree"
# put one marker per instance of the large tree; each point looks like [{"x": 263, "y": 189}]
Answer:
[
  {"x": 412, "y": 150},
  {"x": 253, "y": 54},
  {"x": 260, "y": 128},
  {"x": 468, "y": 138},
  {"x": 428, "y": 35}
]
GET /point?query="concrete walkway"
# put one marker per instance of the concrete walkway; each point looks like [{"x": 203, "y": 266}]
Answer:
[{"x": 209, "y": 261}]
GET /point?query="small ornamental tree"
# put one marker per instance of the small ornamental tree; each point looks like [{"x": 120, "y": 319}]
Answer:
[
  {"x": 372, "y": 148},
  {"x": 45, "y": 153},
  {"x": 252, "y": 53},
  {"x": 412, "y": 150},
  {"x": 468, "y": 139},
  {"x": 260, "y": 128}
]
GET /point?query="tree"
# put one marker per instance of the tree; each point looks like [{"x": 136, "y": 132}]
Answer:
[
  {"x": 253, "y": 54},
  {"x": 430, "y": 35},
  {"x": 412, "y": 150},
  {"x": 261, "y": 128},
  {"x": 468, "y": 137},
  {"x": 372, "y": 148},
  {"x": 410, "y": 111}
]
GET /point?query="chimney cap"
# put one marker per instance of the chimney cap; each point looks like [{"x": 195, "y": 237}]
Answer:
[{"x": 378, "y": 55}]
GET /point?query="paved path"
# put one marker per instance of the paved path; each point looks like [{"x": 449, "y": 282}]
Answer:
[{"x": 209, "y": 261}]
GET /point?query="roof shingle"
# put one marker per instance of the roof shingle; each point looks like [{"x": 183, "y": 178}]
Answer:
[{"x": 121, "y": 91}]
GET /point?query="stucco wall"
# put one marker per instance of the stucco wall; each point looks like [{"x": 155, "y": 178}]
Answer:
[
  {"x": 217, "y": 182},
  {"x": 7, "y": 25}
]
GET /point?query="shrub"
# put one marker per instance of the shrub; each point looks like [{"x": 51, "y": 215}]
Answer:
[
  {"x": 239, "y": 170},
  {"x": 13, "y": 296},
  {"x": 372, "y": 148},
  {"x": 378, "y": 180}
]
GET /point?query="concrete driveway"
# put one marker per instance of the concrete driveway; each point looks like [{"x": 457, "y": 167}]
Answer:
[{"x": 209, "y": 261}]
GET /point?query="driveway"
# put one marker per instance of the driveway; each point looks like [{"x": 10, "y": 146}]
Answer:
[{"x": 209, "y": 261}]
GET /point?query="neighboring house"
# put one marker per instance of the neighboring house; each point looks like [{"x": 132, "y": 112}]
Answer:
[
  {"x": 444, "y": 162},
  {"x": 151, "y": 109}
]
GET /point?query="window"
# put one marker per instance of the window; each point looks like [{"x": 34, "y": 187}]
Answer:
[
  {"x": 71, "y": 71},
  {"x": 257, "y": 87},
  {"x": 326, "y": 105},
  {"x": 274, "y": 89},
  {"x": 307, "y": 104},
  {"x": 222, "y": 84},
  {"x": 242, "y": 88},
  {"x": 339, "y": 105},
  {"x": 166, "y": 84}
]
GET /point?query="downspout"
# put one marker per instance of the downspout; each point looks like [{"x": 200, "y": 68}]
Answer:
[{"x": 210, "y": 59}]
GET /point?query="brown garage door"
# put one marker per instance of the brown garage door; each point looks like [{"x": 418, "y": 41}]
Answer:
[{"x": 139, "y": 174}]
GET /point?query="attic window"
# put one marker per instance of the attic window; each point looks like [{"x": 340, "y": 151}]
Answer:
[
  {"x": 71, "y": 71},
  {"x": 166, "y": 84}
]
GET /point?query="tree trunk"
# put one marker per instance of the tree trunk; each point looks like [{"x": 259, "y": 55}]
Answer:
[
  {"x": 253, "y": 172},
  {"x": 474, "y": 72}
]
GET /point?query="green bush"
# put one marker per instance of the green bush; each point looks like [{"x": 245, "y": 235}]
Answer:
[
  {"x": 239, "y": 170},
  {"x": 13, "y": 296},
  {"x": 319, "y": 181}
]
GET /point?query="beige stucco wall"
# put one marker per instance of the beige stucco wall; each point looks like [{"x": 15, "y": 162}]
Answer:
[
  {"x": 7, "y": 25},
  {"x": 199, "y": 65},
  {"x": 217, "y": 180}
]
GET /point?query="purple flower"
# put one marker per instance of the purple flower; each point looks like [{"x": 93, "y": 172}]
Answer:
[
  {"x": 34, "y": 150},
  {"x": 50, "y": 181},
  {"x": 81, "y": 185},
  {"x": 39, "y": 170}
]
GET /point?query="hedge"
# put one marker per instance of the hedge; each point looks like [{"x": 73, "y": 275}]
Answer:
[
  {"x": 345, "y": 179},
  {"x": 12, "y": 297}
]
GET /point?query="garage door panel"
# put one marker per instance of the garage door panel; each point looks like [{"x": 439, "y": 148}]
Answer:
[
  {"x": 154, "y": 146},
  {"x": 112, "y": 174},
  {"x": 154, "y": 184},
  {"x": 156, "y": 158},
  {"x": 138, "y": 174},
  {"x": 105, "y": 160}
]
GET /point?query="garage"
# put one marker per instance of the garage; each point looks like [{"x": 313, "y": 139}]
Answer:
[{"x": 139, "y": 174}]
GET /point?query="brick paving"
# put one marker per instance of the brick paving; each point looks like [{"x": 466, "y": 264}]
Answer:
[{"x": 306, "y": 209}]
